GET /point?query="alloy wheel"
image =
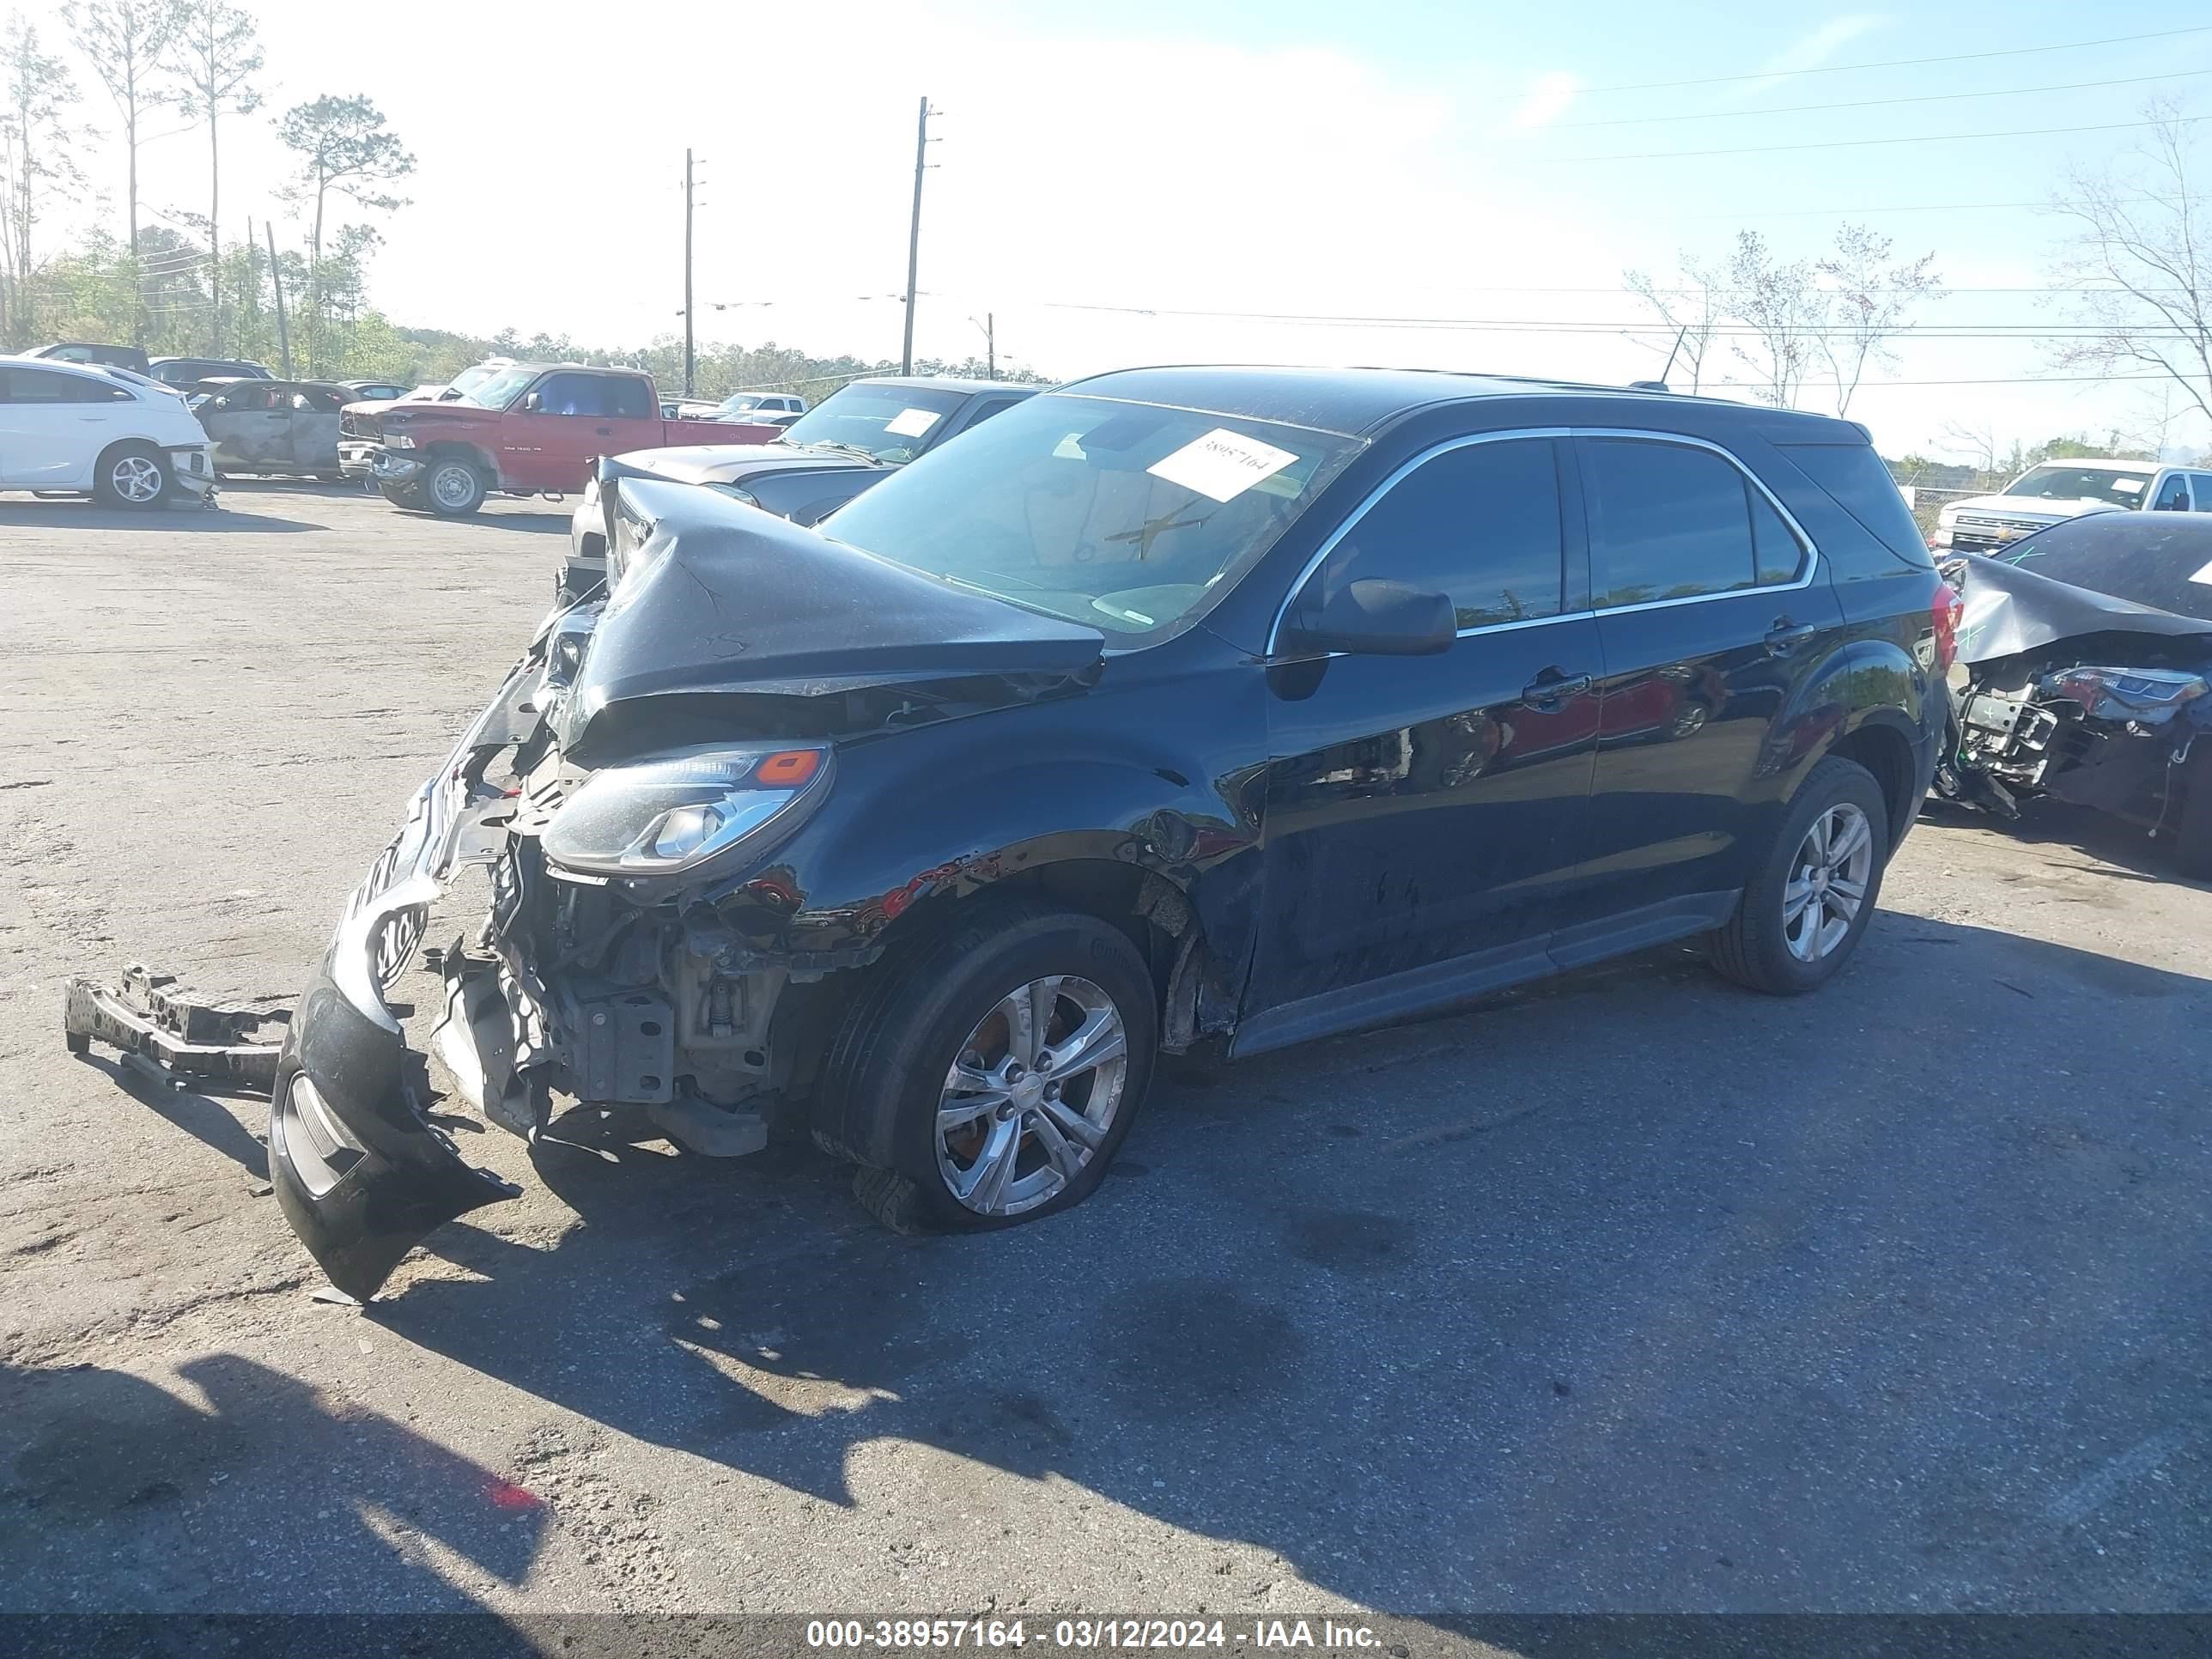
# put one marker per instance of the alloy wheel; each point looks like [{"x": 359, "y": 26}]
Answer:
[
  {"x": 1828, "y": 884},
  {"x": 136, "y": 479},
  {"x": 1032, "y": 1096}
]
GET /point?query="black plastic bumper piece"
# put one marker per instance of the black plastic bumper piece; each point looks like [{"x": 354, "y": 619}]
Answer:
[{"x": 359, "y": 1171}]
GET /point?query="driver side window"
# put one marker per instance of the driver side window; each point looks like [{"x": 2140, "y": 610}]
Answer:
[
  {"x": 1479, "y": 524},
  {"x": 2172, "y": 494}
]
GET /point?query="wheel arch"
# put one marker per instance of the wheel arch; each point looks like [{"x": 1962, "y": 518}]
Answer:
[
  {"x": 1882, "y": 744},
  {"x": 474, "y": 454}
]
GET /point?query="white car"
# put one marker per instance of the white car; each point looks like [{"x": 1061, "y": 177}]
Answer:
[
  {"x": 2053, "y": 490},
  {"x": 127, "y": 442}
]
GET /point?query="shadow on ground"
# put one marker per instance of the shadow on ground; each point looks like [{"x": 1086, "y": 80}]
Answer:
[
  {"x": 172, "y": 518},
  {"x": 254, "y": 1495},
  {"x": 1630, "y": 1290}
]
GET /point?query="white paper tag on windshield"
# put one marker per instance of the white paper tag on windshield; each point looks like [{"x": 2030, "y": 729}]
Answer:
[
  {"x": 2203, "y": 576},
  {"x": 1223, "y": 464},
  {"x": 911, "y": 422}
]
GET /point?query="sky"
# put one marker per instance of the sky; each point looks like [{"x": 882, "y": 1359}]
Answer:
[{"x": 1449, "y": 186}]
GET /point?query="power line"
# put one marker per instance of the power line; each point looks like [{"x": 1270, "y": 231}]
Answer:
[
  {"x": 1567, "y": 325},
  {"x": 1878, "y": 103},
  {"x": 1862, "y": 143},
  {"x": 1900, "y": 63}
]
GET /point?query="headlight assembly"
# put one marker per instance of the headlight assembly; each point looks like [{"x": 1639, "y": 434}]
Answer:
[
  {"x": 662, "y": 817},
  {"x": 398, "y": 440}
]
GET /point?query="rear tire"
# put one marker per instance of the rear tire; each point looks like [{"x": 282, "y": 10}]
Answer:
[
  {"x": 1769, "y": 946},
  {"x": 132, "y": 476},
  {"x": 1018, "y": 1133}
]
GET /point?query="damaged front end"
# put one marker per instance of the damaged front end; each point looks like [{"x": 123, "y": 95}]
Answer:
[
  {"x": 622, "y": 793},
  {"x": 2083, "y": 696}
]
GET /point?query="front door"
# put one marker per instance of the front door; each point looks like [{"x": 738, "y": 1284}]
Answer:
[
  {"x": 1711, "y": 609},
  {"x": 579, "y": 418},
  {"x": 250, "y": 426},
  {"x": 1425, "y": 814}
]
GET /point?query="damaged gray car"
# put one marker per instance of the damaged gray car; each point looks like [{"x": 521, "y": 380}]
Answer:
[{"x": 2087, "y": 660}]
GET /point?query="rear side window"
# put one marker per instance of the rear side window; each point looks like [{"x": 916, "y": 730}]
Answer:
[
  {"x": 1854, "y": 475},
  {"x": 1479, "y": 524},
  {"x": 628, "y": 399},
  {"x": 39, "y": 385},
  {"x": 1671, "y": 522}
]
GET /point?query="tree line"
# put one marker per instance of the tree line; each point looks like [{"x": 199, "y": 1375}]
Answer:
[{"x": 173, "y": 284}]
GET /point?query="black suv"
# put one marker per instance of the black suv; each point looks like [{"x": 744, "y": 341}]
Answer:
[{"x": 1177, "y": 707}]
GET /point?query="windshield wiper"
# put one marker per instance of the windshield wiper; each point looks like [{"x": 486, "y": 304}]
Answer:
[{"x": 839, "y": 445}]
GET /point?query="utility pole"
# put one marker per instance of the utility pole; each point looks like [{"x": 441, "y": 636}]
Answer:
[
  {"x": 914, "y": 235},
  {"x": 989, "y": 326},
  {"x": 690, "y": 355},
  {"x": 276, "y": 275}
]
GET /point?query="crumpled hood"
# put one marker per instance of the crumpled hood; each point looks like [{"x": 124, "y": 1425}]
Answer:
[
  {"x": 2011, "y": 608},
  {"x": 717, "y": 598}
]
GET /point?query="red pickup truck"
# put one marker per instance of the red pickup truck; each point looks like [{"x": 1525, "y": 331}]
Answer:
[{"x": 528, "y": 429}]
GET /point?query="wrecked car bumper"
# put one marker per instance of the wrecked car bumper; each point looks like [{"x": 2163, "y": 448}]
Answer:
[{"x": 360, "y": 1172}]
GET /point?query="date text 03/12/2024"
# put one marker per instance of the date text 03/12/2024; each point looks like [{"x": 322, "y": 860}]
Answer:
[{"x": 1088, "y": 1635}]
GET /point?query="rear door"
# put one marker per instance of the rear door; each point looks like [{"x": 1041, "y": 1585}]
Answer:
[
  {"x": 1425, "y": 814},
  {"x": 53, "y": 426},
  {"x": 1710, "y": 611}
]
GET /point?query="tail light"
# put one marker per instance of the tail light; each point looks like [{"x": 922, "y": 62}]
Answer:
[{"x": 1944, "y": 615}]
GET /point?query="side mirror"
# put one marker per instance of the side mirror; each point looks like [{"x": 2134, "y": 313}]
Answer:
[
  {"x": 532, "y": 402},
  {"x": 1372, "y": 618}
]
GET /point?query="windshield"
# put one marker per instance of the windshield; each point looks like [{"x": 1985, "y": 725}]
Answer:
[
  {"x": 891, "y": 423},
  {"x": 491, "y": 388},
  {"x": 2074, "y": 484},
  {"x": 742, "y": 402},
  {"x": 1128, "y": 517}
]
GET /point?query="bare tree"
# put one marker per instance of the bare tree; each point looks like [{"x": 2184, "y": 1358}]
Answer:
[
  {"x": 1783, "y": 313},
  {"x": 2139, "y": 262},
  {"x": 37, "y": 161},
  {"x": 124, "y": 40},
  {"x": 343, "y": 146},
  {"x": 1693, "y": 311},
  {"x": 216, "y": 56},
  {"x": 1870, "y": 302}
]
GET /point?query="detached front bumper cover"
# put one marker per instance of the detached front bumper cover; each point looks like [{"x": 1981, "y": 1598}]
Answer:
[{"x": 359, "y": 1169}]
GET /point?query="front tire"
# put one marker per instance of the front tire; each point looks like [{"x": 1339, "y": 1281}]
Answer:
[
  {"x": 454, "y": 489},
  {"x": 133, "y": 475},
  {"x": 1809, "y": 900},
  {"x": 988, "y": 1075},
  {"x": 2192, "y": 833}
]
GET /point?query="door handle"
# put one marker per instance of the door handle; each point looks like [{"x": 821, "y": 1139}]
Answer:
[
  {"x": 604, "y": 431},
  {"x": 1552, "y": 688},
  {"x": 1786, "y": 636}
]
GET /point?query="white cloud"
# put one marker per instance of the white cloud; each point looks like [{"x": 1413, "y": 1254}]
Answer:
[
  {"x": 1810, "y": 51},
  {"x": 1547, "y": 99}
]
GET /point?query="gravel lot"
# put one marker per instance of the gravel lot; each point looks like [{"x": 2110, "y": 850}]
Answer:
[{"x": 1631, "y": 1293}]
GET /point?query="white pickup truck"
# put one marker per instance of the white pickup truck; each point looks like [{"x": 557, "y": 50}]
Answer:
[{"x": 2053, "y": 490}]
